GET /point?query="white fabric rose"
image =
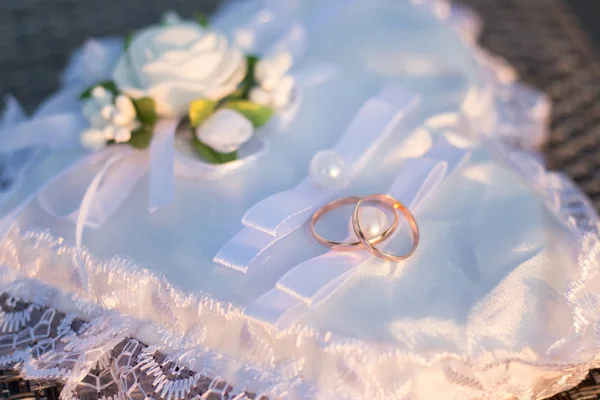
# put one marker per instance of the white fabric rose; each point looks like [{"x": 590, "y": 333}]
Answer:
[
  {"x": 108, "y": 121},
  {"x": 275, "y": 87},
  {"x": 175, "y": 64},
  {"x": 225, "y": 131}
]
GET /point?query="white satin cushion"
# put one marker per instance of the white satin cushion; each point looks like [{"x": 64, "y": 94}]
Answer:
[{"x": 482, "y": 307}]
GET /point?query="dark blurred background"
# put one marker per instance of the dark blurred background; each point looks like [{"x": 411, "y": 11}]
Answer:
[
  {"x": 36, "y": 36},
  {"x": 588, "y": 13}
]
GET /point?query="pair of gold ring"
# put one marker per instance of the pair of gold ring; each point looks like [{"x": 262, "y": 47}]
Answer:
[{"x": 364, "y": 242}]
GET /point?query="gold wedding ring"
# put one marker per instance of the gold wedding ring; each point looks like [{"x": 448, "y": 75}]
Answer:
[
  {"x": 364, "y": 242},
  {"x": 398, "y": 207},
  {"x": 346, "y": 245}
]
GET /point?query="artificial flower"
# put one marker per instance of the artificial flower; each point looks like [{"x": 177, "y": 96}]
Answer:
[
  {"x": 110, "y": 118},
  {"x": 275, "y": 87},
  {"x": 225, "y": 131},
  {"x": 176, "y": 63}
]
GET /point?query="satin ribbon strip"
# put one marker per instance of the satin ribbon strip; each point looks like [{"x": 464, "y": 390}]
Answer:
[
  {"x": 59, "y": 130},
  {"x": 15, "y": 163},
  {"x": 12, "y": 114},
  {"x": 54, "y": 124},
  {"x": 110, "y": 189},
  {"x": 57, "y": 123},
  {"x": 277, "y": 216},
  {"x": 282, "y": 213},
  {"x": 122, "y": 167},
  {"x": 162, "y": 165},
  {"x": 313, "y": 281},
  {"x": 95, "y": 201}
]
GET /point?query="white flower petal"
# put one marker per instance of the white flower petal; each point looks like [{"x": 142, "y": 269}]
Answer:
[
  {"x": 245, "y": 38},
  {"x": 161, "y": 71},
  {"x": 183, "y": 35},
  {"x": 268, "y": 75},
  {"x": 92, "y": 139},
  {"x": 125, "y": 107},
  {"x": 108, "y": 111},
  {"x": 120, "y": 119},
  {"x": 263, "y": 70},
  {"x": 208, "y": 42},
  {"x": 139, "y": 53},
  {"x": 286, "y": 83},
  {"x": 133, "y": 125},
  {"x": 200, "y": 67},
  {"x": 282, "y": 61},
  {"x": 170, "y": 17},
  {"x": 109, "y": 132},
  {"x": 282, "y": 95},
  {"x": 225, "y": 131},
  {"x": 99, "y": 92},
  {"x": 173, "y": 56},
  {"x": 259, "y": 96},
  {"x": 175, "y": 64},
  {"x": 280, "y": 100},
  {"x": 232, "y": 63},
  {"x": 123, "y": 75},
  {"x": 122, "y": 135}
]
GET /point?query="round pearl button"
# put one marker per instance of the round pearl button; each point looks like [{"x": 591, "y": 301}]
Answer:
[{"x": 327, "y": 169}]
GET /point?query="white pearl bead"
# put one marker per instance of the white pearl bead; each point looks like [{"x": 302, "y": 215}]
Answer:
[
  {"x": 327, "y": 169},
  {"x": 373, "y": 222}
]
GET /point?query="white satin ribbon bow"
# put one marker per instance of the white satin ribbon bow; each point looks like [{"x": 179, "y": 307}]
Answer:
[
  {"x": 121, "y": 169},
  {"x": 311, "y": 282},
  {"x": 58, "y": 124},
  {"x": 277, "y": 216}
]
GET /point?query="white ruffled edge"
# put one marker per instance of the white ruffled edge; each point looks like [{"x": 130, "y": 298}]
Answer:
[{"x": 351, "y": 359}]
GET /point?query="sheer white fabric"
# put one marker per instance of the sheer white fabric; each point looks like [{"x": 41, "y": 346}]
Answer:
[{"x": 498, "y": 302}]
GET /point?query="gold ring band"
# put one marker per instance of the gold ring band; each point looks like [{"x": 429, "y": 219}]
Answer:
[
  {"x": 346, "y": 245},
  {"x": 397, "y": 206}
]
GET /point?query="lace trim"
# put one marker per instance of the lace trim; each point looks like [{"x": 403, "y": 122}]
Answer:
[
  {"x": 100, "y": 356},
  {"x": 270, "y": 358}
]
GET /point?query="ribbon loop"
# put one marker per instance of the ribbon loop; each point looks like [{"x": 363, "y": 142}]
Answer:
[
  {"x": 277, "y": 216},
  {"x": 313, "y": 281}
]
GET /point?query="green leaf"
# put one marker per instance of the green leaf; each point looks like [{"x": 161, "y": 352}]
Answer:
[
  {"x": 202, "y": 19},
  {"x": 210, "y": 155},
  {"x": 256, "y": 113},
  {"x": 146, "y": 110},
  {"x": 111, "y": 86},
  {"x": 249, "y": 80},
  {"x": 141, "y": 137},
  {"x": 200, "y": 110},
  {"x": 128, "y": 39}
]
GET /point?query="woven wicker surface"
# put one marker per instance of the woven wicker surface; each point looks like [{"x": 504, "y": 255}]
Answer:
[
  {"x": 37, "y": 36},
  {"x": 545, "y": 43},
  {"x": 541, "y": 38}
]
